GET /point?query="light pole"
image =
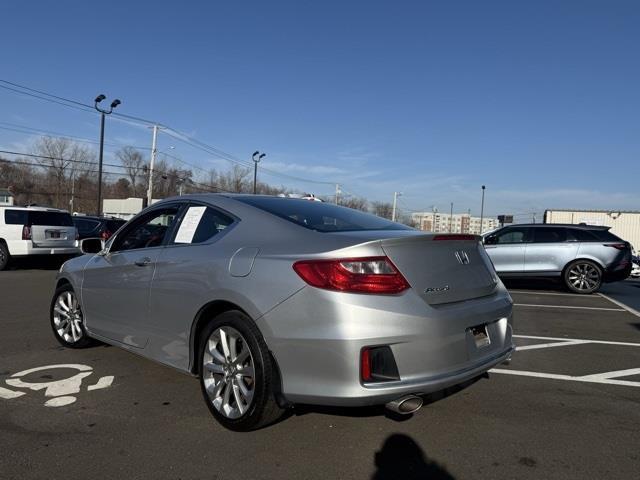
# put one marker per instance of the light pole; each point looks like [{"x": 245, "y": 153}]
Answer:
[
  {"x": 256, "y": 157},
  {"x": 395, "y": 201},
  {"x": 482, "y": 210},
  {"x": 113, "y": 105}
]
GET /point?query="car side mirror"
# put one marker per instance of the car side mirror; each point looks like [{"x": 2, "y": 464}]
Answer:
[
  {"x": 490, "y": 240},
  {"x": 91, "y": 245}
]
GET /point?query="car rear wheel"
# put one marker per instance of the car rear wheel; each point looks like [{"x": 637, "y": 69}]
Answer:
[
  {"x": 583, "y": 276},
  {"x": 4, "y": 256},
  {"x": 67, "y": 320},
  {"x": 237, "y": 374}
]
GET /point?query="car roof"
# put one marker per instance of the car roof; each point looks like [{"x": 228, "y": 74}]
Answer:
[
  {"x": 94, "y": 217},
  {"x": 582, "y": 226},
  {"x": 34, "y": 209}
]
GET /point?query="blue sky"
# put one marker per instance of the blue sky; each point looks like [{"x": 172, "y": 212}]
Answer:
[{"x": 538, "y": 100}]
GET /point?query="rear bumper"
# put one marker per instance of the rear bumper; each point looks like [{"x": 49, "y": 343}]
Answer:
[
  {"x": 28, "y": 249},
  {"x": 617, "y": 273},
  {"x": 316, "y": 337}
]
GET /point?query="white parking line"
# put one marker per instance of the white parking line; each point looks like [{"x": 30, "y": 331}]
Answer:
[
  {"x": 551, "y": 345},
  {"x": 570, "y": 307},
  {"x": 585, "y": 379},
  {"x": 551, "y": 293},
  {"x": 620, "y": 304},
  {"x": 581, "y": 340}
]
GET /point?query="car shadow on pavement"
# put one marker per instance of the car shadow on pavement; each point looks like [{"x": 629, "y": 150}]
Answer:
[
  {"x": 402, "y": 458},
  {"x": 534, "y": 284},
  {"x": 37, "y": 263}
]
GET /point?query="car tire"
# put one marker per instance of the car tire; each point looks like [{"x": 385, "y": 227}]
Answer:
[
  {"x": 583, "y": 277},
  {"x": 232, "y": 349},
  {"x": 4, "y": 256},
  {"x": 67, "y": 319}
]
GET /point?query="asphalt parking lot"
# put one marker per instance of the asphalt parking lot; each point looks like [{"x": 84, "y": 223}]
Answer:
[{"x": 566, "y": 407}]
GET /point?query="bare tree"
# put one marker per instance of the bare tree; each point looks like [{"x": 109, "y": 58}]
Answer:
[
  {"x": 235, "y": 180},
  {"x": 356, "y": 203},
  {"x": 382, "y": 209},
  {"x": 134, "y": 165},
  {"x": 62, "y": 157}
]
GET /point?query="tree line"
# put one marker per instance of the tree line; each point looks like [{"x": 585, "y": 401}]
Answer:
[{"x": 59, "y": 172}]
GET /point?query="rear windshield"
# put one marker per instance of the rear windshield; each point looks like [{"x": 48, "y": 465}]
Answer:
[
  {"x": 114, "y": 225},
  {"x": 322, "y": 217},
  {"x": 30, "y": 217}
]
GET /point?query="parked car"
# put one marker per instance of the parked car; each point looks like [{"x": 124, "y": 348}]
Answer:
[
  {"x": 28, "y": 231},
  {"x": 92, "y": 227},
  {"x": 582, "y": 256},
  {"x": 326, "y": 305},
  {"x": 635, "y": 268}
]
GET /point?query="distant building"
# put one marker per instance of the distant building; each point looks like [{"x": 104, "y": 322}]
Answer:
[
  {"x": 458, "y": 223},
  {"x": 6, "y": 197},
  {"x": 624, "y": 223},
  {"x": 124, "y": 208}
]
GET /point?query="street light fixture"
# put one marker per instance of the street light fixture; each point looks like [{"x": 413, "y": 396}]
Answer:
[
  {"x": 256, "y": 157},
  {"x": 103, "y": 112}
]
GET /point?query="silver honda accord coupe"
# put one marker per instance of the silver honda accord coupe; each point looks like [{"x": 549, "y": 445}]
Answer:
[{"x": 275, "y": 301}]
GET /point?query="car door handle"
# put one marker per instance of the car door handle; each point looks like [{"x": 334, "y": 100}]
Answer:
[{"x": 143, "y": 262}]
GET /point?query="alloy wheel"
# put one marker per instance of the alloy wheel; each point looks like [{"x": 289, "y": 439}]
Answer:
[
  {"x": 67, "y": 317},
  {"x": 584, "y": 276},
  {"x": 228, "y": 372}
]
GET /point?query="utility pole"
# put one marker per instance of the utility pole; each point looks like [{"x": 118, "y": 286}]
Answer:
[
  {"x": 451, "y": 219},
  {"x": 154, "y": 151},
  {"x": 337, "y": 194},
  {"x": 73, "y": 188},
  {"x": 433, "y": 223},
  {"x": 482, "y": 210},
  {"x": 395, "y": 202},
  {"x": 114, "y": 104}
]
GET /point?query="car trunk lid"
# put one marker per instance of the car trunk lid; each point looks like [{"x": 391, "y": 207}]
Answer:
[
  {"x": 443, "y": 268},
  {"x": 52, "y": 229}
]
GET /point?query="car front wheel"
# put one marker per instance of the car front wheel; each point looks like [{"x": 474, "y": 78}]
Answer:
[
  {"x": 67, "y": 320},
  {"x": 583, "y": 277},
  {"x": 237, "y": 373}
]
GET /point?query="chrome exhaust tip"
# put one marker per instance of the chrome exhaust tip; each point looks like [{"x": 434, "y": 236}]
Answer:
[{"x": 405, "y": 405}]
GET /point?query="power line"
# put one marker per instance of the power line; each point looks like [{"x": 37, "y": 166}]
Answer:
[
  {"x": 201, "y": 186},
  {"x": 178, "y": 135},
  {"x": 46, "y": 133}
]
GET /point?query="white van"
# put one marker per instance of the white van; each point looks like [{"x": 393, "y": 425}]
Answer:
[{"x": 35, "y": 231}]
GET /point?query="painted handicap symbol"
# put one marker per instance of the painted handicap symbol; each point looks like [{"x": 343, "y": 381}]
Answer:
[{"x": 61, "y": 391}]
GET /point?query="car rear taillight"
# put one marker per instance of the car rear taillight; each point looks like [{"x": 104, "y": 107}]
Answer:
[
  {"x": 619, "y": 246},
  {"x": 77, "y": 234},
  {"x": 26, "y": 232},
  {"x": 454, "y": 236},
  {"x": 105, "y": 235},
  {"x": 376, "y": 275}
]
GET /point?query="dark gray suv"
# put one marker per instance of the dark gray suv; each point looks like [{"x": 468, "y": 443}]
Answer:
[{"x": 582, "y": 256}]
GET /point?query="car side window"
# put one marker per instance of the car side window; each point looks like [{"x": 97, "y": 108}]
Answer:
[
  {"x": 549, "y": 235},
  {"x": 85, "y": 226},
  {"x": 199, "y": 224},
  {"x": 512, "y": 235},
  {"x": 148, "y": 231}
]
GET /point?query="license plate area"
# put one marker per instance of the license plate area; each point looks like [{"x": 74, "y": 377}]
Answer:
[
  {"x": 54, "y": 234},
  {"x": 480, "y": 335}
]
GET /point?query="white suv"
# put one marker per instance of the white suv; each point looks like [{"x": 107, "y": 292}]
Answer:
[{"x": 35, "y": 231}]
